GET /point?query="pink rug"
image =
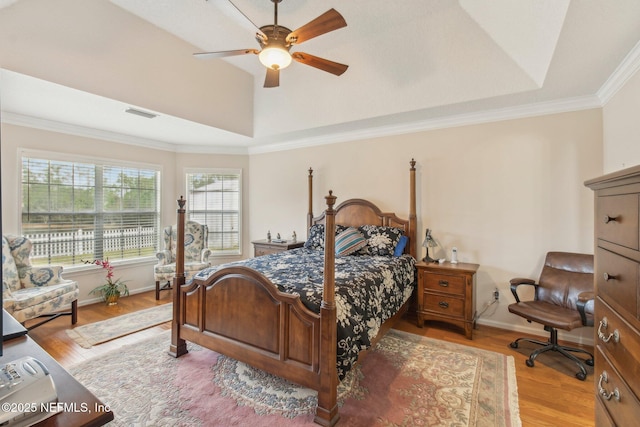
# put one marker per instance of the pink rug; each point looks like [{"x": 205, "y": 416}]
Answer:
[{"x": 405, "y": 380}]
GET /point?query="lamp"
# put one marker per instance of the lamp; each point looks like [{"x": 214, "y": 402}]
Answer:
[
  {"x": 275, "y": 57},
  {"x": 429, "y": 242}
]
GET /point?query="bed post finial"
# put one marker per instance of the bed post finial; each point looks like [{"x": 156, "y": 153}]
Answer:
[{"x": 178, "y": 346}]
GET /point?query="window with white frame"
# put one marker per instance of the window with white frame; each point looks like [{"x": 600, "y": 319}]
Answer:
[
  {"x": 86, "y": 209},
  {"x": 214, "y": 198}
]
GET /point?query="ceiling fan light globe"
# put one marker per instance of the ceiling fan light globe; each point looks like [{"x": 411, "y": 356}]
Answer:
[{"x": 275, "y": 58}]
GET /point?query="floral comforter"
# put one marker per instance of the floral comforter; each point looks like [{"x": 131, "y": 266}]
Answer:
[{"x": 369, "y": 290}]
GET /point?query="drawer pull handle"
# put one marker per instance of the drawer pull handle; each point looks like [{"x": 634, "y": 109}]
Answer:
[
  {"x": 615, "y": 335},
  {"x": 608, "y": 219},
  {"x": 443, "y": 304},
  {"x": 604, "y": 393},
  {"x": 443, "y": 283},
  {"x": 608, "y": 277}
]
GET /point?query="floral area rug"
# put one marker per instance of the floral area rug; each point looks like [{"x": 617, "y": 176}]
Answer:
[
  {"x": 95, "y": 333},
  {"x": 405, "y": 380}
]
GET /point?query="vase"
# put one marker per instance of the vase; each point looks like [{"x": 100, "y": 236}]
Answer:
[{"x": 112, "y": 299}]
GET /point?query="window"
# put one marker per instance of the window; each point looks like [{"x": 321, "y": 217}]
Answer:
[
  {"x": 85, "y": 210},
  {"x": 213, "y": 198}
]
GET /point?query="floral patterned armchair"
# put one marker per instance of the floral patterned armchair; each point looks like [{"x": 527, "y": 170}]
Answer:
[
  {"x": 29, "y": 292},
  {"x": 196, "y": 254}
]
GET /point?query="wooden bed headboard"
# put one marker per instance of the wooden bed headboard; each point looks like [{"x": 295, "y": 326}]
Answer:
[{"x": 356, "y": 212}]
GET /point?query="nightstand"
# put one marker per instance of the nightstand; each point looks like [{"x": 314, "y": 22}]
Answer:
[
  {"x": 264, "y": 247},
  {"x": 446, "y": 293}
]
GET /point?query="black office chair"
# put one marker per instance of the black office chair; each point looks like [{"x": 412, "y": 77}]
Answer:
[{"x": 563, "y": 300}]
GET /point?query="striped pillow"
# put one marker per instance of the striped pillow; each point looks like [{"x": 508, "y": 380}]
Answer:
[{"x": 349, "y": 241}]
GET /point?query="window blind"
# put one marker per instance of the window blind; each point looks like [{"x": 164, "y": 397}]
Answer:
[
  {"x": 75, "y": 211},
  {"x": 214, "y": 199}
]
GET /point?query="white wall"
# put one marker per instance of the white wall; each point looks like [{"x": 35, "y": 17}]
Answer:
[
  {"x": 503, "y": 193},
  {"x": 621, "y": 127}
]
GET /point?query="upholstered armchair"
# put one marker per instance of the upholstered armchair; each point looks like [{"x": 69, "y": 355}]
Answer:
[
  {"x": 30, "y": 292},
  {"x": 563, "y": 299},
  {"x": 196, "y": 254}
]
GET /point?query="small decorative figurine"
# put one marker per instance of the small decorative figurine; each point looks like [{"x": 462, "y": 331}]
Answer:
[
  {"x": 269, "y": 236},
  {"x": 278, "y": 237},
  {"x": 294, "y": 237}
]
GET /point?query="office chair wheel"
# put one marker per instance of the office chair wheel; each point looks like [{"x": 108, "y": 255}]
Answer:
[
  {"x": 529, "y": 363},
  {"x": 514, "y": 344},
  {"x": 581, "y": 376},
  {"x": 589, "y": 362}
]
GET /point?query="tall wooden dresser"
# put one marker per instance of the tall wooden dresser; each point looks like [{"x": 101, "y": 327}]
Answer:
[{"x": 617, "y": 302}]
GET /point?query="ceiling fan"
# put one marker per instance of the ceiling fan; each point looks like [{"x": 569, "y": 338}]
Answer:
[{"x": 276, "y": 41}]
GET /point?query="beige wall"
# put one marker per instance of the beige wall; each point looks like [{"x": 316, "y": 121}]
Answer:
[
  {"x": 621, "y": 126},
  {"x": 503, "y": 193},
  {"x": 139, "y": 275}
]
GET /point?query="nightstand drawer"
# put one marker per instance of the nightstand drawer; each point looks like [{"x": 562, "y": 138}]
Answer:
[
  {"x": 443, "y": 304},
  {"x": 444, "y": 283}
]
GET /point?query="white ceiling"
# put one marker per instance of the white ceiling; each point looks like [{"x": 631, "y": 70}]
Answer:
[{"x": 413, "y": 64}]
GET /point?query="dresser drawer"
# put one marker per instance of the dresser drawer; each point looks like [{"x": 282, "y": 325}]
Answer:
[
  {"x": 620, "y": 342},
  {"x": 266, "y": 250},
  {"x": 617, "y": 219},
  {"x": 444, "y": 283},
  {"x": 443, "y": 304},
  {"x": 625, "y": 410},
  {"x": 616, "y": 281}
]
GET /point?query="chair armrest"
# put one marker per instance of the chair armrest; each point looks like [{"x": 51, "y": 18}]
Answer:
[
  {"x": 31, "y": 276},
  {"x": 164, "y": 257},
  {"x": 583, "y": 299},
  {"x": 520, "y": 281}
]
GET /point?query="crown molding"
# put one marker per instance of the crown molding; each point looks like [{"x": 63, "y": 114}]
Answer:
[
  {"x": 83, "y": 131},
  {"x": 488, "y": 116},
  {"x": 627, "y": 68}
]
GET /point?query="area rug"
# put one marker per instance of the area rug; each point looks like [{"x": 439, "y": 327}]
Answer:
[
  {"x": 405, "y": 380},
  {"x": 95, "y": 333}
]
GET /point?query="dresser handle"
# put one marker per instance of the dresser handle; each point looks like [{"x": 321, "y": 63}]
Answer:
[
  {"x": 443, "y": 283},
  {"x": 604, "y": 393},
  {"x": 608, "y": 219},
  {"x": 615, "y": 335},
  {"x": 608, "y": 277},
  {"x": 443, "y": 304}
]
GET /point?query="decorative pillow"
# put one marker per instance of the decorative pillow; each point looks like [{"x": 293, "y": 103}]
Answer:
[
  {"x": 400, "y": 246},
  {"x": 349, "y": 241},
  {"x": 315, "y": 240},
  {"x": 381, "y": 240}
]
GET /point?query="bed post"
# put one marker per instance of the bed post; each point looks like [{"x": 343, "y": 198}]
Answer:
[
  {"x": 413, "y": 221},
  {"x": 327, "y": 410},
  {"x": 178, "y": 346},
  {"x": 310, "y": 196}
]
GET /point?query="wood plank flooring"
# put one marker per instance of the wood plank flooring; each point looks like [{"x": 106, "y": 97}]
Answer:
[{"x": 549, "y": 394}]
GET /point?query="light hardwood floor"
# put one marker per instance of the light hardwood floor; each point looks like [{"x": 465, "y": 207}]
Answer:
[{"x": 549, "y": 394}]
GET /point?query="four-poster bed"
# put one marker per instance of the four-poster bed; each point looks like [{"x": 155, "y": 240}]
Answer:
[{"x": 239, "y": 312}]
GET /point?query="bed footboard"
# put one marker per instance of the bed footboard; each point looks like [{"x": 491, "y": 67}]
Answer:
[{"x": 240, "y": 313}]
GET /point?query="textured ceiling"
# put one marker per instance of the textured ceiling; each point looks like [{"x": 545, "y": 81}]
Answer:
[{"x": 412, "y": 63}]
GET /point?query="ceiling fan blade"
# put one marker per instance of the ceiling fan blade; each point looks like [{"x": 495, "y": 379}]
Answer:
[
  {"x": 273, "y": 78},
  {"x": 329, "y": 21},
  {"x": 320, "y": 63},
  {"x": 224, "y": 53}
]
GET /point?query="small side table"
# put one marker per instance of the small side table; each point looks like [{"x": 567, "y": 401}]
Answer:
[
  {"x": 446, "y": 293},
  {"x": 265, "y": 247}
]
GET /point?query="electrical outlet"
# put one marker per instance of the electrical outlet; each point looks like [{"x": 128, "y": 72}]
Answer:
[{"x": 496, "y": 295}]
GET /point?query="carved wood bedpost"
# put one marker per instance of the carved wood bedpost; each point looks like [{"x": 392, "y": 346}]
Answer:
[
  {"x": 310, "y": 195},
  {"x": 327, "y": 410},
  {"x": 178, "y": 346},
  {"x": 413, "y": 220}
]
